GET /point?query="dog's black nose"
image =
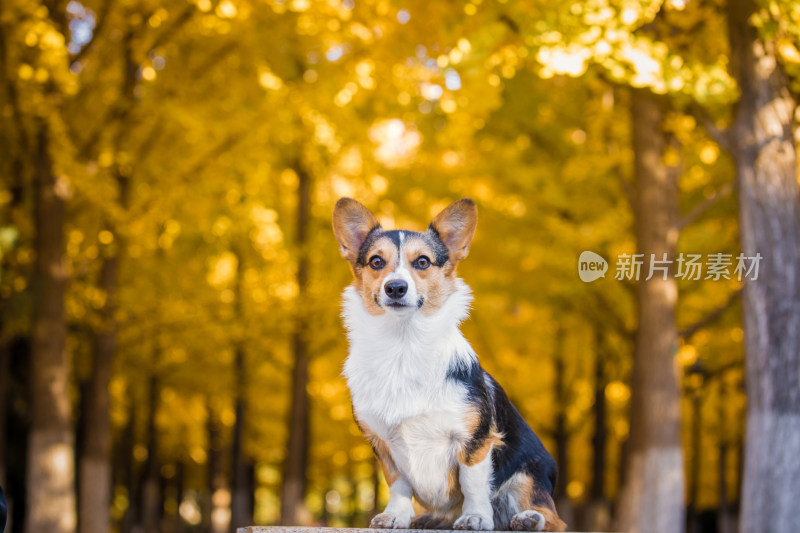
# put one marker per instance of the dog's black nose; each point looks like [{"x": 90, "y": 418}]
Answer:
[{"x": 396, "y": 289}]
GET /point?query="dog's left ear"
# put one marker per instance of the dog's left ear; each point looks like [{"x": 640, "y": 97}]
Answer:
[
  {"x": 352, "y": 222},
  {"x": 456, "y": 226}
]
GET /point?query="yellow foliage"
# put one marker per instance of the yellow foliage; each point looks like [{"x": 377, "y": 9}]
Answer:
[{"x": 190, "y": 132}]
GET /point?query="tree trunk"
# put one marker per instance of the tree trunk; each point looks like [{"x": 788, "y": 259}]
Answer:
[
  {"x": 597, "y": 509},
  {"x": 151, "y": 483},
  {"x": 766, "y": 161},
  {"x": 561, "y": 435},
  {"x": 293, "y": 510},
  {"x": 5, "y": 366},
  {"x": 600, "y": 435},
  {"x": 51, "y": 470},
  {"x": 180, "y": 470},
  {"x": 220, "y": 512},
  {"x": 241, "y": 513},
  {"x": 17, "y": 154},
  {"x": 95, "y": 461},
  {"x": 726, "y": 521},
  {"x": 652, "y": 496},
  {"x": 696, "y": 466},
  {"x": 127, "y": 471}
]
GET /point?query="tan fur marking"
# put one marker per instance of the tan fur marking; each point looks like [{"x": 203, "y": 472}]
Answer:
[
  {"x": 369, "y": 282},
  {"x": 493, "y": 440},
  {"x": 552, "y": 521},
  {"x": 524, "y": 491},
  {"x": 453, "y": 486},
  {"x": 531, "y": 497},
  {"x": 436, "y": 284},
  {"x": 390, "y": 470}
]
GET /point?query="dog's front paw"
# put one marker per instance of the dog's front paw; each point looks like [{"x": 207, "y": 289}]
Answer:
[
  {"x": 528, "y": 521},
  {"x": 474, "y": 522},
  {"x": 389, "y": 521}
]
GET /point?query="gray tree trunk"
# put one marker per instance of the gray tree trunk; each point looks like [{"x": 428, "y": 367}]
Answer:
[
  {"x": 653, "y": 491},
  {"x": 51, "y": 469},
  {"x": 561, "y": 433},
  {"x": 241, "y": 491},
  {"x": 5, "y": 360},
  {"x": 94, "y": 468},
  {"x": 149, "y": 503},
  {"x": 293, "y": 510},
  {"x": 220, "y": 511},
  {"x": 766, "y": 161},
  {"x": 597, "y": 509},
  {"x": 95, "y": 461}
]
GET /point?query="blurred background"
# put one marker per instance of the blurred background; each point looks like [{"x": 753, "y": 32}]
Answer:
[{"x": 171, "y": 345}]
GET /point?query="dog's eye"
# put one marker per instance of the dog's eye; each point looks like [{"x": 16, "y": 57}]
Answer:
[
  {"x": 421, "y": 262},
  {"x": 376, "y": 262}
]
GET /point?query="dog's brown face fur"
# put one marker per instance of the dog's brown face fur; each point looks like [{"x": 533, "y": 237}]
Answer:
[{"x": 424, "y": 262}]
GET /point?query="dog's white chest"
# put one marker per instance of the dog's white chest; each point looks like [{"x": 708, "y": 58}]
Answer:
[
  {"x": 397, "y": 373},
  {"x": 424, "y": 449}
]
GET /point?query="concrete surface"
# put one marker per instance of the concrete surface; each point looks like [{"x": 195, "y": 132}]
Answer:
[{"x": 281, "y": 529}]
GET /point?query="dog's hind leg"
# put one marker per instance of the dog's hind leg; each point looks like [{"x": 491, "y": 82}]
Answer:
[
  {"x": 537, "y": 510},
  {"x": 541, "y": 518}
]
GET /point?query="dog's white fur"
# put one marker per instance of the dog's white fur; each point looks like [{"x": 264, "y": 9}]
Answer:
[
  {"x": 397, "y": 375},
  {"x": 413, "y": 351}
]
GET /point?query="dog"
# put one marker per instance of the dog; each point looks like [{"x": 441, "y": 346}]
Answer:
[{"x": 443, "y": 430}]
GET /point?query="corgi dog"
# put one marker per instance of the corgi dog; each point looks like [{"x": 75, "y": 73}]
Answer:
[{"x": 443, "y": 430}]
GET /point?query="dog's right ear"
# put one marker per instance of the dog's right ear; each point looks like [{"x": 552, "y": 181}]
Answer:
[
  {"x": 352, "y": 222},
  {"x": 455, "y": 226}
]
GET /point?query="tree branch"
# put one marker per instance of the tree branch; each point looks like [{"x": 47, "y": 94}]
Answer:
[
  {"x": 687, "y": 332},
  {"x": 221, "y": 53},
  {"x": 229, "y": 142},
  {"x": 508, "y": 21},
  {"x": 224, "y": 146},
  {"x": 703, "y": 206},
  {"x": 179, "y": 22},
  {"x": 723, "y": 137}
]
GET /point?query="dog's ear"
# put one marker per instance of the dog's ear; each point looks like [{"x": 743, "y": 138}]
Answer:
[
  {"x": 352, "y": 222},
  {"x": 455, "y": 226}
]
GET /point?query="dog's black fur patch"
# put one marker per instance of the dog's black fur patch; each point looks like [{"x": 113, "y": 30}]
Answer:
[
  {"x": 431, "y": 237},
  {"x": 522, "y": 451},
  {"x": 373, "y": 234},
  {"x": 438, "y": 246}
]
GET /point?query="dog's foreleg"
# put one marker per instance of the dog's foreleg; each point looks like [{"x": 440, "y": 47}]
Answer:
[
  {"x": 399, "y": 511},
  {"x": 476, "y": 480}
]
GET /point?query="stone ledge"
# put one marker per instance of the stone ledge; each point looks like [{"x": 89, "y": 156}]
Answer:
[{"x": 285, "y": 529}]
